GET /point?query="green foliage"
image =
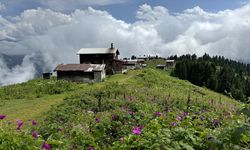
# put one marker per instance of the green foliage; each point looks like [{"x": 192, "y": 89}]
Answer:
[
  {"x": 35, "y": 89},
  {"x": 104, "y": 115},
  {"x": 216, "y": 73}
]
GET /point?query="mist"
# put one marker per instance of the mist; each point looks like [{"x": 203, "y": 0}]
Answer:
[{"x": 47, "y": 37}]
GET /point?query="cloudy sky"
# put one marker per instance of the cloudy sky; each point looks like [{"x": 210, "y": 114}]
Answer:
[{"x": 49, "y": 32}]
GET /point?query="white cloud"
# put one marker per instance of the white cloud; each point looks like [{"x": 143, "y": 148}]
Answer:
[
  {"x": 20, "y": 73},
  {"x": 146, "y": 12},
  {"x": 56, "y": 36}
]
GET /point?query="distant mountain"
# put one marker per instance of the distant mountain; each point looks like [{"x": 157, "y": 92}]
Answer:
[{"x": 12, "y": 60}]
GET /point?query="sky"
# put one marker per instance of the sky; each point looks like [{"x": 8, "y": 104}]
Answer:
[{"x": 50, "y": 32}]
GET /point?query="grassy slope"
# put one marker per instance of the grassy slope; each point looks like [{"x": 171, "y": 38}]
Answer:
[
  {"x": 32, "y": 107},
  {"x": 144, "y": 92},
  {"x": 25, "y": 109}
]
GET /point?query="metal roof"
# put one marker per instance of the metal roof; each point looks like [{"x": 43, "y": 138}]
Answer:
[
  {"x": 80, "y": 67},
  {"x": 98, "y": 51},
  {"x": 170, "y": 61},
  {"x": 130, "y": 62}
]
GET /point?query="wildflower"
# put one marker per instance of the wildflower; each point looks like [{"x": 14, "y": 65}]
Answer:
[
  {"x": 122, "y": 140},
  {"x": 173, "y": 124},
  {"x": 19, "y": 124},
  {"x": 72, "y": 147},
  {"x": 113, "y": 117},
  {"x": 197, "y": 113},
  {"x": 178, "y": 118},
  {"x": 158, "y": 114},
  {"x": 202, "y": 117},
  {"x": 130, "y": 98},
  {"x": 131, "y": 113},
  {"x": 45, "y": 146},
  {"x": 34, "y": 122},
  {"x": 184, "y": 114},
  {"x": 35, "y": 135},
  {"x": 2, "y": 117},
  {"x": 216, "y": 123},
  {"x": 97, "y": 120},
  {"x": 137, "y": 130},
  {"x": 90, "y": 148},
  {"x": 211, "y": 147}
]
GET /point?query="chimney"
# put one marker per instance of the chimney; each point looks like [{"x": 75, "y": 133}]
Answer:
[{"x": 112, "y": 45}]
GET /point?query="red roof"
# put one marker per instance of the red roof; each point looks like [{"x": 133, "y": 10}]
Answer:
[{"x": 80, "y": 67}]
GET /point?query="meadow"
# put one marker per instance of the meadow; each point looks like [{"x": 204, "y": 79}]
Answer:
[{"x": 143, "y": 109}]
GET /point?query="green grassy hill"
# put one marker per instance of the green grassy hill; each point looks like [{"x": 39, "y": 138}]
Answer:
[{"x": 143, "y": 109}]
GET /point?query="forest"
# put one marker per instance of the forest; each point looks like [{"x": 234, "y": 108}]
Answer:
[{"x": 217, "y": 73}]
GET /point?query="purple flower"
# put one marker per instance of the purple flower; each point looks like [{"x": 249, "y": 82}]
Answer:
[
  {"x": 72, "y": 147},
  {"x": 184, "y": 114},
  {"x": 198, "y": 113},
  {"x": 131, "y": 113},
  {"x": 97, "y": 120},
  {"x": 90, "y": 148},
  {"x": 19, "y": 124},
  {"x": 211, "y": 147},
  {"x": 60, "y": 129},
  {"x": 45, "y": 146},
  {"x": 216, "y": 123},
  {"x": 130, "y": 98},
  {"x": 178, "y": 118},
  {"x": 35, "y": 135},
  {"x": 137, "y": 130},
  {"x": 121, "y": 139},
  {"x": 173, "y": 124},
  {"x": 34, "y": 122},
  {"x": 2, "y": 116},
  {"x": 202, "y": 117},
  {"x": 113, "y": 116},
  {"x": 158, "y": 114}
]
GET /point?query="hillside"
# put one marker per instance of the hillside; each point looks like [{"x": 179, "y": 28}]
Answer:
[{"x": 144, "y": 109}]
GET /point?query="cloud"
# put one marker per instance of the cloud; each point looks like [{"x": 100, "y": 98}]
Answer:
[
  {"x": 48, "y": 37},
  {"x": 2, "y": 7},
  {"x": 20, "y": 73},
  {"x": 146, "y": 12},
  {"x": 61, "y": 5}
]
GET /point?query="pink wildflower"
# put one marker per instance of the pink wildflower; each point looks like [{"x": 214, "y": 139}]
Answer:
[
  {"x": 137, "y": 130},
  {"x": 19, "y": 124},
  {"x": 2, "y": 117}
]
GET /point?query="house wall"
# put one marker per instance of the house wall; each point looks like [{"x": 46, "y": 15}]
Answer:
[
  {"x": 99, "y": 76},
  {"x": 76, "y": 76},
  {"x": 97, "y": 59},
  {"x": 117, "y": 65}
]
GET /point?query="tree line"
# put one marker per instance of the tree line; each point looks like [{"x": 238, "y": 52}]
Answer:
[{"x": 217, "y": 73}]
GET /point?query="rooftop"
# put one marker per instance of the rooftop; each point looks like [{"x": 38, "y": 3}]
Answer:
[
  {"x": 98, "y": 51},
  {"x": 170, "y": 61},
  {"x": 80, "y": 67}
]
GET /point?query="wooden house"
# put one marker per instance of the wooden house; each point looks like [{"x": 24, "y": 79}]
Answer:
[
  {"x": 81, "y": 72},
  {"x": 170, "y": 63},
  {"x": 98, "y": 55},
  {"x": 117, "y": 66}
]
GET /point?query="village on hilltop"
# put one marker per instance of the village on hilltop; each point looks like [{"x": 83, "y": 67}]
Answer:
[{"x": 96, "y": 63}]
